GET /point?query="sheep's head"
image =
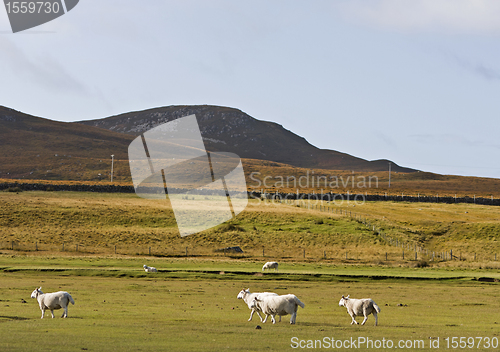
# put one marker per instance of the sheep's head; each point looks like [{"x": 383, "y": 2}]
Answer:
[
  {"x": 254, "y": 303},
  {"x": 36, "y": 292},
  {"x": 243, "y": 293},
  {"x": 343, "y": 300}
]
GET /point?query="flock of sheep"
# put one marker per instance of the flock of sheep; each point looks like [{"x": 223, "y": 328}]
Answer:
[
  {"x": 268, "y": 303},
  {"x": 272, "y": 304}
]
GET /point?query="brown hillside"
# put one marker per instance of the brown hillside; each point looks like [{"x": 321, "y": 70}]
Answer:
[{"x": 231, "y": 130}]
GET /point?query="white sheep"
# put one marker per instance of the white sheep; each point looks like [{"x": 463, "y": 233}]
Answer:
[
  {"x": 248, "y": 297},
  {"x": 278, "y": 305},
  {"x": 55, "y": 300},
  {"x": 149, "y": 269},
  {"x": 365, "y": 307},
  {"x": 270, "y": 265}
]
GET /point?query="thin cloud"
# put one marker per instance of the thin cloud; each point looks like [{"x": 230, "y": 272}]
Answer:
[
  {"x": 452, "y": 139},
  {"x": 449, "y": 16},
  {"x": 45, "y": 71}
]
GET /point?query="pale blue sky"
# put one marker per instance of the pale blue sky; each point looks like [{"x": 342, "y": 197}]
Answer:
[{"x": 417, "y": 82}]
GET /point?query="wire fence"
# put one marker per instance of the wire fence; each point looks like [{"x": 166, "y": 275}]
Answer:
[
  {"x": 397, "y": 252},
  {"x": 408, "y": 249}
]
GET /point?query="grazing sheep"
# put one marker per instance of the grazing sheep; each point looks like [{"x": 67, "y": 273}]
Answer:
[
  {"x": 278, "y": 305},
  {"x": 248, "y": 297},
  {"x": 364, "y": 307},
  {"x": 270, "y": 265},
  {"x": 149, "y": 269},
  {"x": 55, "y": 300}
]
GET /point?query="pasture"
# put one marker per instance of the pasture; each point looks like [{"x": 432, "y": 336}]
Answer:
[
  {"x": 191, "y": 305},
  {"x": 103, "y": 224},
  {"x": 95, "y": 245}
]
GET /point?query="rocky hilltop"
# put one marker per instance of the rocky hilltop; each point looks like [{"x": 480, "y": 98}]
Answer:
[{"x": 229, "y": 129}]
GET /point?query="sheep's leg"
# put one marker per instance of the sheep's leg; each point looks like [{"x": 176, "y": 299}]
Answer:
[
  {"x": 65, "y": 313},
  {"x": 273, "y": 318},
  {"x": 364, "y": 320},
  {"x": 292, "y": 319},
  {"x": 353, "y": 320},
  {"x": 43, "y": 313},
  {"x": 52, "y": 312},
  {"x": 251, "y": 315},
  {"x": 376, "y": 318},
  {"x": 260, "y": 316},
  {"x": 265, "y": 319}
]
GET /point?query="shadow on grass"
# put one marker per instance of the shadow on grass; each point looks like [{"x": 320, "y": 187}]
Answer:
[{"x": 13, "y": 318}]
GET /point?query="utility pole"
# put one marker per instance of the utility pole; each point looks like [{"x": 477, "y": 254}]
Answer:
[{"x": 112, "y": 162}]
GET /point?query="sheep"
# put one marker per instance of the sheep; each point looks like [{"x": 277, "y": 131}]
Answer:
[
  {"x": 365, "y": 307},
  {"x": 149, "y": 269},
  {"x": 270, "y": 265},
  {"x": 278, "y": 305},
  {"x": 55, "y": 300},
  {"x": 248, "y": 297}
]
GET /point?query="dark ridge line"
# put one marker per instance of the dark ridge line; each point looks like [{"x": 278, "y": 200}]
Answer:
[
  {"x": 258, "y": 195},
  {"x": 248, "y": 273}
]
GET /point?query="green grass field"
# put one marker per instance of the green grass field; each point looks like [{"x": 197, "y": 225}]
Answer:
[
  {"x": 191, "y": 306},
  {"x": 105, "y": 223}
]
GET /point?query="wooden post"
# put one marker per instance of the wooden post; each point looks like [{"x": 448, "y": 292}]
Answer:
[
  {"x": 12, "y": 245},
  {"x": 304, "y": 252},
  {"x": 63, "y": 247},
  {"x": 324, "y": 255},
  {"x": 186, "y": 251},
  {"x": 403, "y": 253},
  {"x": 149, "y": 250},
  {"x": 36, "y": 247},
  {"x": 416, "y": 258},
  {"x": 77, "y": 247}
]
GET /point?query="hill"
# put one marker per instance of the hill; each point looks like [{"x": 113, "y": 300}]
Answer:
[
  {"x": 231, "y": 130},
  {"x": 38, "y": 148}
]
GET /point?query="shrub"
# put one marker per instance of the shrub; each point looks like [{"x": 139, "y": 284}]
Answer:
[
  {"x": 422, "y": 264},
  {"x": 13, "y": 189}
]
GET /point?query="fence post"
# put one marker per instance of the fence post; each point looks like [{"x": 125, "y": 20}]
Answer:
[
  {"x": 63, "y": 247},
  {"x": 324, "y": 255},
  {"x": 77, "y": 248},
  {"x": 36, "y": 247},
  {"x": 403, "y": 253},
  {"x": 186, "y": 251},
  {"x": 12, "y": 245},
  {"x": 304, "y": 252},
  {"x": 149, "y": 250}
]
